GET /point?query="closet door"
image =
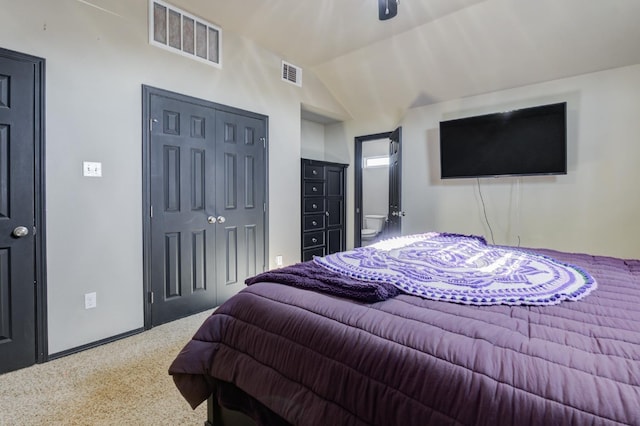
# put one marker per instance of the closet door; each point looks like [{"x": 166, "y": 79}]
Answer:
[
  {"x": 183, "y": 249},
  {"x": 204, "y": 225},
  {"x": 240, "y": 200}
]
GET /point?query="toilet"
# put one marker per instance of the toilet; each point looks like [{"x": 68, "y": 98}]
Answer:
[{"x": 373, "y": 224}]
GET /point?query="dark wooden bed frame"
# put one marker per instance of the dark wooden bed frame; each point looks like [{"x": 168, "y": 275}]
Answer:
[
  {"x": 243, "y": 411},
  {"x": 218, "y": 415}
]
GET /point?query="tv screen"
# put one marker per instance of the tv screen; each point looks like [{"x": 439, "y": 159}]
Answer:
[{"x": 529, "y": 141}]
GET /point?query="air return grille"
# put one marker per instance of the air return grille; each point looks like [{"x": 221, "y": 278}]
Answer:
[
  {"x": 291, "y": 73},
  {"x": 180, "y": 32}
]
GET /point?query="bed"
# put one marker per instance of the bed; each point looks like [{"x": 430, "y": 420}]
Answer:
[{"x": 326, "y": 344}]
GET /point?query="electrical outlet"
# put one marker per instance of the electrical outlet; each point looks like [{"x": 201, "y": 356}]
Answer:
[
  {"x": 279, "y": 260},
  {"x": 90, "y": 300}
]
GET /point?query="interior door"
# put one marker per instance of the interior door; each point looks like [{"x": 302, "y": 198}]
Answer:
[
  {"x": 182, "y": 191},
  {"x": 393, "y": 186},
  {"x": 207, "y": 203},
  {"x": 394, "y": 226},
  {"x": 241, "y": 199},
  {"x": 17, "y": 212}
]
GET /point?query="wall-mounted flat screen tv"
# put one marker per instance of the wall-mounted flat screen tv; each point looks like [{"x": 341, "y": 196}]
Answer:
[{"x": 529, "y": 141}]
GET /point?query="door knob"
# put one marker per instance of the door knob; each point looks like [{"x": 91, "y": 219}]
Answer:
[
  {"x": 20, "y": 231},
  {"x": 219, "y": 219}
]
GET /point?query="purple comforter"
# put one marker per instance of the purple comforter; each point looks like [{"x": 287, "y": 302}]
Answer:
[{"x": 318, "y": 359}]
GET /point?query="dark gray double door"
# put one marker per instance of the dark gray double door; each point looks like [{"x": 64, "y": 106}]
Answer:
[{"x": 207, "y": 195}]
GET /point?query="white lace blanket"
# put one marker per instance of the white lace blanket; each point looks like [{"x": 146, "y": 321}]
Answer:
[{"x": 463, "y": 269}]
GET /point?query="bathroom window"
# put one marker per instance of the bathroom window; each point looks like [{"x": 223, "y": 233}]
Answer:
[{"x": 379, "y": 161}]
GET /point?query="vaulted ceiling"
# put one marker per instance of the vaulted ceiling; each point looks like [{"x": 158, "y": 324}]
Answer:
[{"x": 433, "y": 50}]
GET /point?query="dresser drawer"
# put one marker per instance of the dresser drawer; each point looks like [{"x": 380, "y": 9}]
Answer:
[
  {"x": 308, "y": 254},
  {"x": 313, "y": 221},
  {"x": 313, "y": 205},
  {"x": 312, "y": 239},
  {"x": 313, "y": 188},
  {"x": 313, "y": 171}
]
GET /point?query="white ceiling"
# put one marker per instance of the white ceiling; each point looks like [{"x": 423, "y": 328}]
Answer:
[{"x": 434, "y": 50}]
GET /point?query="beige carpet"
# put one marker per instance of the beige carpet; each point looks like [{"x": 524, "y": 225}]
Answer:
[{"x": 120, "y": 383}]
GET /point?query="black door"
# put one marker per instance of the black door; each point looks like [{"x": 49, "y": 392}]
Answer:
[
  {"x": 240, "y": 200},
  {"x": 17, "y": 212},
  {"x": 182, "y": 150},
  {"x": 207, "y": 191},
  {"x": 395, "y": 214},
  {"x": 392, "y": 226},
  {"x": 335, "y": 198}
]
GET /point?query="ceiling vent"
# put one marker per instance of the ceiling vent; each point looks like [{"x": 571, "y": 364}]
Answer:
[
  {"x": 175, "y": 30},
  {"x": 292, "y": 73}
]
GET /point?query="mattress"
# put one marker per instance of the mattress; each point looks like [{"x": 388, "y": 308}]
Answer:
[{"x": 315, "y": 358}]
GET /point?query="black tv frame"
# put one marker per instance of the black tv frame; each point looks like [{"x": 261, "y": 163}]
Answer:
[{"x": 497, "y": 152}]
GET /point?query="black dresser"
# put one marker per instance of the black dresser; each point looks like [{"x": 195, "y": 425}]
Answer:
[{"x": 323, "y": 208}]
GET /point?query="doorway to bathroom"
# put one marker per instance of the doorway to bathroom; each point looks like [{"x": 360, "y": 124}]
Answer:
[{"x": 378, "y": 212}]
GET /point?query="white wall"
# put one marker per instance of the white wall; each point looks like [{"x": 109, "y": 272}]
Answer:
[
  {"x": 312, "y": 140},
  {"x": 594, "y": 208},
  {"x": 96, "y": 62}
]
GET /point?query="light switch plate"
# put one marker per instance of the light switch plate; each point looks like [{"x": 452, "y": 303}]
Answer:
[
  {"x": 90, "y": 300},
  {"x": 91, "y": 169}
]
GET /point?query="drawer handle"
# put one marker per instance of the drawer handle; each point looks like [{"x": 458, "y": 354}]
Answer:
[
  {"x": 314, "y": 189},
  {"x": 315, "y": 172},
  {"x": 314, "y": 223},
  {"x": 315, "y": 206},
  {"x": 314, "y": 240}
]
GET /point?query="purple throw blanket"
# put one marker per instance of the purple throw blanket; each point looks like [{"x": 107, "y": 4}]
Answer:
[{"x": 311, "y": 276}]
